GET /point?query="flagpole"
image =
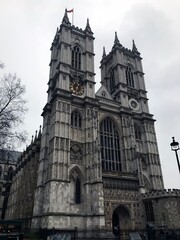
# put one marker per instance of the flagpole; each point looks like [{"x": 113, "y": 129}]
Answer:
[{"x": 73, "y": 17}]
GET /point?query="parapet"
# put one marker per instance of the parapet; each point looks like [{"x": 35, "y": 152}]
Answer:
[{"x": 161, "y": 193}]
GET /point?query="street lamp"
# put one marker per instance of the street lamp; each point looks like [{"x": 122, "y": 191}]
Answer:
[{"x": 175, "y": 147}]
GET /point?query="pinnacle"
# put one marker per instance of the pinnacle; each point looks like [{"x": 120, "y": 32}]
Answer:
[
  {"x": 104, "y": 52},
  {"x": 88, "y": 28},
  {"x": 134, "y": 48},
  {"x": 65, "y": 18}
]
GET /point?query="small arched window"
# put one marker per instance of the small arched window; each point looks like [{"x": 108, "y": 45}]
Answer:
[
  {"x": 76, "y": 121},
  {"x": 137, "y": 132},
  {"x": 129, "y": 76},
  {"x": 10, "y": 173},
  {"x": 76, "y": 57},
  {"x": 77, "y": 191},
  {"x": 103, "y": 94}
]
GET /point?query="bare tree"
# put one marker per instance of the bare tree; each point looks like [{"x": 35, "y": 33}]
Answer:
[{"x": 12, "y": 109}]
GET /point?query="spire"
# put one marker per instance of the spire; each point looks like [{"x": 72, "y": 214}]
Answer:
[
  {"x": 32, "y": 140},
  {"x": 116, "y": 41},
  {"x": 39, "y": 134},
  {"x": 88, "y": 28},
  {"x": 104, "y": 52},
  {"x": 65, "y": 18},
  {"x": 35, "y": 135},
  {"x": 134, "y": 48}
]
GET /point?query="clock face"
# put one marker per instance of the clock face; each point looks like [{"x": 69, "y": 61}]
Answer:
[
  {"x": 76, "y": 88},
  {"x": 134, "y": 104}
]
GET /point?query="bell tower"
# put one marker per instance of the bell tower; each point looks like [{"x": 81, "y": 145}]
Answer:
[
  {"x": 72, "y": 61},
  {"x": 69, "y": 190},
  {"x": 123, "y": 77}
]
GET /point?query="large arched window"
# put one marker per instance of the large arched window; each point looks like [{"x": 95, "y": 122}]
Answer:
[
  {"x": 76, "y": 57},
  {"x": 129, "y": 76},
  {"x": 76, "y": 121},
  {"x": 110, "y": 146}
]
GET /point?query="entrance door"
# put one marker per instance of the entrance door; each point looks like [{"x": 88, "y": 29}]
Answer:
[{"x": 121, "y": 222}]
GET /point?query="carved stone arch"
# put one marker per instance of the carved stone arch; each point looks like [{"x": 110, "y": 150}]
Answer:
[
  {"x": 129, "y": 64},
  {"x": 123, "y": 206},
  {"x": 121, "y": 220},
  {"x": 115, "y": 121},
  {"x": 76, "y": 43},
  {"x": 76, "y": 171}
]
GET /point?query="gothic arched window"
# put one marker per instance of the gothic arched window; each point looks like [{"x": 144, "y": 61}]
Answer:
[
  {"x": 112, "y": 81},
  {"x": 76, "y": 121},
  {"x": 77, "y": 191},
  {"x": 129, "y": 76},
  {"x": 137, "y": 132},
  {"x": 76, "y": 187},
  {"x": 76, "y": 57},
  {"x": 110, "y": 146}
]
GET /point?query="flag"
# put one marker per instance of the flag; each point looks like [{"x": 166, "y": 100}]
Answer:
[{"x": 70, "y": 11}]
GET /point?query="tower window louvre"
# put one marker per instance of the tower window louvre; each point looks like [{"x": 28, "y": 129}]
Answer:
[
  {"x": 76, "y": 57},
  {"x": 129, "y": 77}
]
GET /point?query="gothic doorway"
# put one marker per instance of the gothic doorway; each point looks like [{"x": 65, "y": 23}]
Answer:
[{"x": 121, "y": 222}]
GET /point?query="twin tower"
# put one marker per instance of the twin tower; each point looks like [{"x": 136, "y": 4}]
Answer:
[{"x": 98, "y": 150}]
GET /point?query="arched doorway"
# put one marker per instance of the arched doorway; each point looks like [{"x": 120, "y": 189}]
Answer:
[{"x": 121, "y": 222}]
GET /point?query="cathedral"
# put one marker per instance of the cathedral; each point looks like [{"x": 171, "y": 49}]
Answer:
[{"x": 94, "y": 166}]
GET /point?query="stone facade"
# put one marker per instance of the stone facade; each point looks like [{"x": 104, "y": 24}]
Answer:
[
  {"x": 21, "y": 199},
  {"x": 99, "y": 157},
  {"x": 8, "y": 160},
  {"x": 166, "y": 208}
]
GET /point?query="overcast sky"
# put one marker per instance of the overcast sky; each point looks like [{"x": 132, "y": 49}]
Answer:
[{"x": 28, "y": 27}]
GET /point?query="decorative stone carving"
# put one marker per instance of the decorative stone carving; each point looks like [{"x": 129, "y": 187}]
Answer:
[{"x": 76, "y": 154}]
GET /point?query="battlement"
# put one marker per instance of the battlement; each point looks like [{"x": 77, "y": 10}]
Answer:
[{"x": 161, "y": 193}]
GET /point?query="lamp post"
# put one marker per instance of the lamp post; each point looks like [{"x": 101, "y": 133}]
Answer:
[{"x": 175, "y": 147}]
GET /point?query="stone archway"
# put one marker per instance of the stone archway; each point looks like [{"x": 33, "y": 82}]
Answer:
[{"x": 121, "y": 222}]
